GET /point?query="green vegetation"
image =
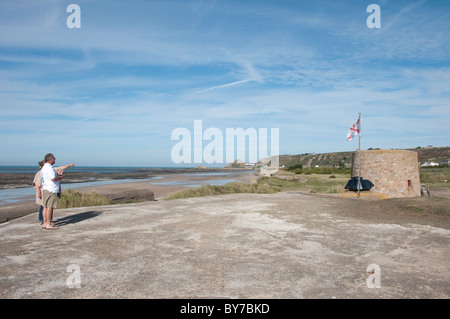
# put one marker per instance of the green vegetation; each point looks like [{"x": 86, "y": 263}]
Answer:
[
  {"x": 316, "y": 183},
  {"x": 324, "y": 183},
  {"x": 70, "y": 198},
  {"x": 295, "y": 168},
  {"x": 435, "y": 177},
  {"x": 425, "y": 206},
  {"x": 230, "y": 188},
  {"x": 299, "y": 169},
  {"x": 338, "y": 159}
]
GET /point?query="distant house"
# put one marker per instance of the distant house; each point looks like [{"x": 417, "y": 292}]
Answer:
[
  {"x": 444, "y": 163},
  {"x": 429, "y": 163}
]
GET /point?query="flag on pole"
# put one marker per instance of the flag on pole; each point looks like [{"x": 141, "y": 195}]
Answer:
[{"x": 354, "y": 129}]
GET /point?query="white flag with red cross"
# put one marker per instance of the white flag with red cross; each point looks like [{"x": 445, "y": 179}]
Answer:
[{"x": 354, "y": 129}]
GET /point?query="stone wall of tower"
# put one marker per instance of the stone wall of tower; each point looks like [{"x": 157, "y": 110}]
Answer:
[{"x": 394, "y": 173}]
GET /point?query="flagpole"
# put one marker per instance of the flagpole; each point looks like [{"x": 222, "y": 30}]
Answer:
[{"x": 359, "y": 174}]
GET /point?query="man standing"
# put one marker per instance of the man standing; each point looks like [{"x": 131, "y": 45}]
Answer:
[
  {"x": 50, "y": 189},
  {"x": 37, "y": 183}
]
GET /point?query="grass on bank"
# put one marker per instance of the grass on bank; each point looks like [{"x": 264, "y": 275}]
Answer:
[
  {"x": 70, "y": 198},
  {"x": 435, "y": 177},
  {"x": 325, "y": 183},
  {"x": 230, "y": 188},
  {"x": 317, "y": 183}
]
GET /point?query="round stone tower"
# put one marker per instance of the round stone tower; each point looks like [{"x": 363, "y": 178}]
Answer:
[{"x": 394, "y": 173}]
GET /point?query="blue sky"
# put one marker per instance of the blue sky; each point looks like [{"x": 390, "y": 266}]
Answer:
[{"x": 111, "y": 92}]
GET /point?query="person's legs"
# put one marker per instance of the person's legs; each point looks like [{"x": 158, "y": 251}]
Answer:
[
  {"x": 54, "y": 206},
  {"x": 49, "y": 203},
  {"x": 45, "y": 198},
  {"x": 48, "y": 212},
  {"x": 41, "y": 219},
  {"x": 45, "y": 217}
]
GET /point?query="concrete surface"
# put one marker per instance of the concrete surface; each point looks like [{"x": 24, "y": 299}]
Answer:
[{"x": 285, "y": 245}]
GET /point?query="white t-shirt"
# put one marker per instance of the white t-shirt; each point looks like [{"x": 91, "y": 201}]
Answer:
[{"x": 47, "y": 174}]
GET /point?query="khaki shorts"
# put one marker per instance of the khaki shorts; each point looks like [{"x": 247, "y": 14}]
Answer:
[{"x": 49, "y": 199}]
